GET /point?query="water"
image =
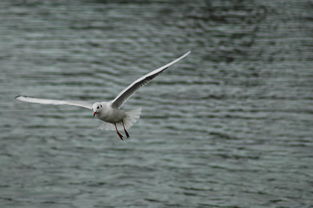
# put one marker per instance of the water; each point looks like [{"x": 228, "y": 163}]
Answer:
[{"x": 229, "y": 126}]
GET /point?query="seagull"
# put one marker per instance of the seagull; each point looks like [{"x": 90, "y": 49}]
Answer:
[{"x": 110, "y": 112}]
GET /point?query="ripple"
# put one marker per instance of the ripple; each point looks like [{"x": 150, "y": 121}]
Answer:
[{"x": 232, "y": 121}]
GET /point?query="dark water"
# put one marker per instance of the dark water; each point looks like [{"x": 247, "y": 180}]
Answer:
[{"x": 230, "y": 126}]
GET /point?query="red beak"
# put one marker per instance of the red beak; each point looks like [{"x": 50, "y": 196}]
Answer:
[{"x": 94, "y": 114}]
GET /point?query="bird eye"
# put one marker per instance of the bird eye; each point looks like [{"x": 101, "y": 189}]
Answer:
[{"x": 97, "y": 107}]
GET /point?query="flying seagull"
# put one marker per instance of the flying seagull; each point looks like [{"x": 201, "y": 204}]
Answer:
[{"x": 110, "y": 112}]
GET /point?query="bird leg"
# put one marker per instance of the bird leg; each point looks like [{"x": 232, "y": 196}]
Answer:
[
  {"x": 125, "y": 129},
  {"x": 118, "y": 133}
]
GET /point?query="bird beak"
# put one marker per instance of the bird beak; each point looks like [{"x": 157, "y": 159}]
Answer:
[{"x": 94, "y": 114}]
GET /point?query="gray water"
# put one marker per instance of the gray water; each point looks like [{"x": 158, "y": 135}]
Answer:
[{"x": 229, "y": 126}]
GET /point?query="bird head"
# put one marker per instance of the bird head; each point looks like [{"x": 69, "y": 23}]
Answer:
[{"x": 96, "y": 108}]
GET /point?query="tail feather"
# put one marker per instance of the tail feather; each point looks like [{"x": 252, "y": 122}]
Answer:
[{"x": 131, "y": 118}]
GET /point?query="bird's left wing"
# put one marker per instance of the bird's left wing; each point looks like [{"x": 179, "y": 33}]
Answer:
[
  {"x": 131, "y": 89},
  {"x": 54, "y": 102}
]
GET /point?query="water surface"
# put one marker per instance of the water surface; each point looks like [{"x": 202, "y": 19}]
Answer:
[{"x": 229, "y": 126}]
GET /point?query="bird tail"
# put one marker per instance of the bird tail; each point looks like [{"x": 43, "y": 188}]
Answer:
[{"x": 131, "y": 117}]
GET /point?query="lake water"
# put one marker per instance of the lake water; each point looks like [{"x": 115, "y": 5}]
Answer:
[{"x": 229, "y": 126}]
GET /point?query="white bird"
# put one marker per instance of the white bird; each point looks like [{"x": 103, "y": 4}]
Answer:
[{"x": 110, "y": 112}]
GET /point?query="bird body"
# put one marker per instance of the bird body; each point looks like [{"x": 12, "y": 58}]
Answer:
[{"x": 110, "y": 112}]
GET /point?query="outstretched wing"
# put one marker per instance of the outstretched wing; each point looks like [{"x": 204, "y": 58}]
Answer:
[
  {"x": 53, "y": 102},
  {"x": 131, "y": 89}
]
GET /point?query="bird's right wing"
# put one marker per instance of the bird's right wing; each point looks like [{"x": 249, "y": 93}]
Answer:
[{"x": 53, "y": 102}]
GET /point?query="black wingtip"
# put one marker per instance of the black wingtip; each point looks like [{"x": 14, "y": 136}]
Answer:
[{"x": 18, "y": 96}]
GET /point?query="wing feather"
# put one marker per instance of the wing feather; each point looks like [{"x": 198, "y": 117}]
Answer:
[
  {"x": 53, "y": 102},
  {"x": 133, "y": 87}
]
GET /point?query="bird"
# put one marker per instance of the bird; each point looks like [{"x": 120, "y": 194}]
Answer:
[{"x": 110, "y": 112}]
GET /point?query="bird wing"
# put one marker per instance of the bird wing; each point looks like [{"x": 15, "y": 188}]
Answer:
[
  {"x": 53, "y": 102},
  {"x": 131, "y": 89}
]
